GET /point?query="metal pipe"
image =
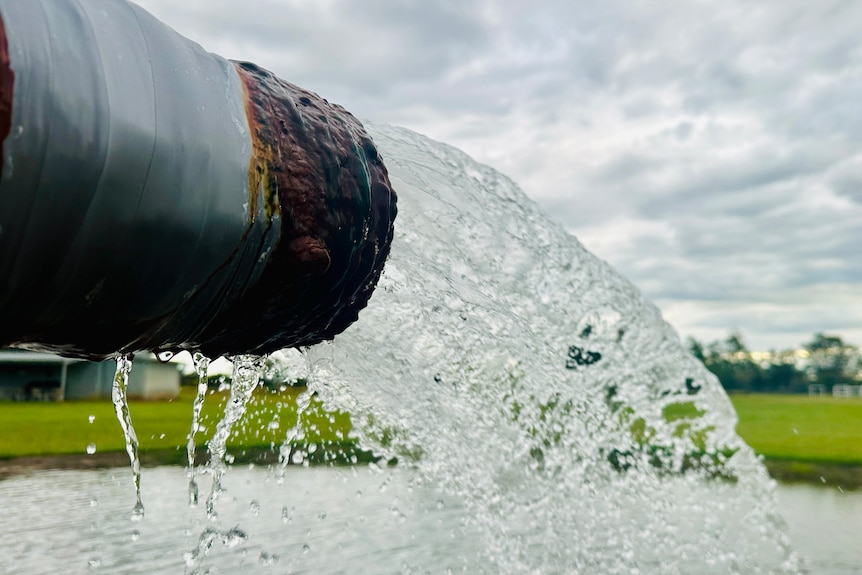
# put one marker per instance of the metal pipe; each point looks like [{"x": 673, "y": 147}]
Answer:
[{"x": 154, "y": 196}]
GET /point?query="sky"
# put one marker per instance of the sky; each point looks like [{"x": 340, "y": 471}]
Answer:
[{"x": 710, "y": 151}]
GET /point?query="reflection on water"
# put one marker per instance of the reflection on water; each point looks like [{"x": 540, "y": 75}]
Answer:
[
  {"x": 319, "y": 520},
  {"x": 824, "y": 524}
]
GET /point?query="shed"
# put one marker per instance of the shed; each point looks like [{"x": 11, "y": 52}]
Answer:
[{"x": 34, "y": 376}]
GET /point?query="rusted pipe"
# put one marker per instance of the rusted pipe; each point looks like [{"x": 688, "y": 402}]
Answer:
[{"x": 155, "y": 196}]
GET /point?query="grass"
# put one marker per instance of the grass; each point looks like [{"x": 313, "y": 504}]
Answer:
[
  {"x": 64, "y": 428},
  {"x": 801, "y": 428},
  {"x": 798, "y": 435}
]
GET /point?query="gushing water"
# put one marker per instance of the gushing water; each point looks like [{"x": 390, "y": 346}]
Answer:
[
  {"x": 521, "y": 374},
  {"x": 503, "y": 363},
  {"x": 201, "y": 363},
  {"x": 121, "y": 406},
  {"x": 246, "y": 375}
]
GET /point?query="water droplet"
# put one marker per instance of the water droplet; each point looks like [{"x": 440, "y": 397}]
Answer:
[
  {"x": 359, "y": 494},
  {"x": 286, "y": 515},
  {"x": 91, "y": 448},
  {"x": 137, "y": 512},
  {"x": 18, "y": 132},
  {"x": 136, "y": 535},
  {"x": 165, "y": 356},
  {"x": 234, "y": 537},
  {"x": 254, "y": 507},
  {"x": 321, "y": 515},
  {"x": 194, "y": 492},
  {"x": 267, "y": 559},
  {"x": 305, "y": 548},
  {"x": 94, "y": 562},
  {"x": 94, "y": 502}
]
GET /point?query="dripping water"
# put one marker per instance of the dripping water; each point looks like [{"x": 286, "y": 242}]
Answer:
[
  {"x": 121, "y": 406},
  {"x": 201, "y": 363},
  {"x": 291, "y": 450},
  {"x": 246, "y": 375}
]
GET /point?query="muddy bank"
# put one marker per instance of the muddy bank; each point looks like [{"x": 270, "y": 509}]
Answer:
[
  {"x": 848, "y": 477},
  {"x": 345, "y": 454},
  {"x": 816, "y": 473}
]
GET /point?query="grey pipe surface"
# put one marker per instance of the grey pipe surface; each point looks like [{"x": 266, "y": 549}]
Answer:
[{"x": 155, "y": 196}]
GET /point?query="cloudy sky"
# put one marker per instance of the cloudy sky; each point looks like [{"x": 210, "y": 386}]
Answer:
[{"x": 710, "y": 150}]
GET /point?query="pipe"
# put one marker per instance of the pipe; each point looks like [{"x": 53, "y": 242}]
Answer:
[{"x": 154, "y": 196}]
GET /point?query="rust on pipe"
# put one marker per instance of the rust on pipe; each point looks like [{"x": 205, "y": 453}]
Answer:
[
  {"x": 315, "y": 165},
  {"x": 160, "y": 197}
]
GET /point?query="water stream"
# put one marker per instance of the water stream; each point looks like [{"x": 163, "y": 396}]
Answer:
[
  {"x": 201, "y": 363},
  {"x": 524, "y": 379},
  {"x": 121, "y": 406},
  {"x": 506, "y": 364},
  {"x": 246, "y": 376}
]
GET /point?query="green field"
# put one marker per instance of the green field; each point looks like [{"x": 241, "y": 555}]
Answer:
[
  {"x": 65, "y": 428},
  {"x": 784, "y": 428},
  {"x": 802, "y": 428}
]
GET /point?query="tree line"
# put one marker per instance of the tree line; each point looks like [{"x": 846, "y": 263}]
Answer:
[{"x": 826, "y": 360}]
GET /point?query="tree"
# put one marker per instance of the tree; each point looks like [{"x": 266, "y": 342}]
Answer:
[
  {"x": 696, "y": 348},
  {"x": 827, "y": 360},
  {"x": 831, "y": 361},
  {"x": 730, "y": 361}
]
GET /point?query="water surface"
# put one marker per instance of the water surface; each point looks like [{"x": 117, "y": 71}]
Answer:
[{"x": 319, "y": 520}]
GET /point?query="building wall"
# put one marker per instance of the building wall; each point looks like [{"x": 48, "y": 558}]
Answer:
[
  {"x": 88, "y": 380},
  {"x": 154, "y": 380},
  {"x": 19, "y": 382},
  {"x": 148, "y": 380},
  {"x": 40, "y": 378}
]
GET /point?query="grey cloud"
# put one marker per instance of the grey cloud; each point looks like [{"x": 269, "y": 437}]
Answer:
[
  {"x": 847, "y": 182},
  {"x": 733, "y": 123},
  {"x": 345, "y": 50}
]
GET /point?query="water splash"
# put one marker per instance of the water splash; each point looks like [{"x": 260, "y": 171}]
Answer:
[
  {"x": 201, "y": 363},
  {"x": 230, "y": 538},
  {"x": 245, "y": 378},
  {"x": 121, "y": 406},
  {"x": 524, "y": 376}
]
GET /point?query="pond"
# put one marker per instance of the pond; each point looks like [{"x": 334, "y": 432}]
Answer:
[{"x": 319, "y": 520}]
